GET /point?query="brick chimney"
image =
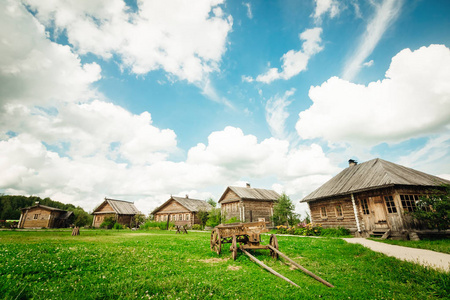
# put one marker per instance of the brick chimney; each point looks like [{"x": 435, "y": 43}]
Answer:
[
  {"x": 187, "y": 196},
  {"x": 352, "y": 162}
]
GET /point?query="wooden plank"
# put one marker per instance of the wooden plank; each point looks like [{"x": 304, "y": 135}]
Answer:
[
  {"x": 300, "y": 267},
  {"x": 268, "y": 268}
]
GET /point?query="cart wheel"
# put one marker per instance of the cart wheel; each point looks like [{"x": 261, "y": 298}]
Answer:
[
  {"x": 274, "y": 243},
  {"x": 216, "y": 241},
  {"x": 233, "y": 248}
]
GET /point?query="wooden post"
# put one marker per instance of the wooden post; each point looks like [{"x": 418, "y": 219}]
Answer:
[
  {"x": 268, "y": 268},
  {"x": 168, "y": 220},
  {"x": 300, "y": 267}
]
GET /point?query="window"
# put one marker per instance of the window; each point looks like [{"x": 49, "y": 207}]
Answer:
[
  {"x": 323, "y": 212},
  {"x": 181, "y": 217},
  {"x": 187, "y": 217},
  {"x": 390, "y": 204},
  {"x": 409, "y": 202},
  {"x": 36, "y": 216},
  {"x": 339, "y": 212},
  {"x": 365, "y": 207}
]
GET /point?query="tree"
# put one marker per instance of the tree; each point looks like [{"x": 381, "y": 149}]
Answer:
[
  {"x": 212, "y": 202},
  {"x": 434, "y": 211},
  {"x": 283, "y": 211},
  {"x": 214, "y": 217},
  {"x": 202, "y": 215}
]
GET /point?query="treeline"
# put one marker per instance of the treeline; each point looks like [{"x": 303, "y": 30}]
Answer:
[{"x": 10, "y": 208}]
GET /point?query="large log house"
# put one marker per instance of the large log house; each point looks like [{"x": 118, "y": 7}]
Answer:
[
  {"x": 372, "y": 198},
  {"x": 42, "y": 216},
  {"x": 121, "y": 211}
]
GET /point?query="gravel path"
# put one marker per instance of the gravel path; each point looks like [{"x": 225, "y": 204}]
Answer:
[{"x": 430, "y": 258}]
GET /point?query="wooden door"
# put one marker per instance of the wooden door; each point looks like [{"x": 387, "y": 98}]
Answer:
[{"x": 379, "y": 213}]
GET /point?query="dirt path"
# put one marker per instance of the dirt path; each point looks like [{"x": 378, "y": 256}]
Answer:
[{"x": 430, "y": 258}]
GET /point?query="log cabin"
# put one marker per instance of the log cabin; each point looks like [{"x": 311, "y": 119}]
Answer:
[
  {"x": 248, "y": 204},
  {"x": 181, "y": 210},
  {"x": 372, "y": 198},
  {"x": 42, "y": 216},
  {"x": 121, "y": 211}
]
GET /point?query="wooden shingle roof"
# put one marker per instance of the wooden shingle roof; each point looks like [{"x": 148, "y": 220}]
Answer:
[
  {"x": 120, "y": 207},
  {"x": 373, "y": 174},
  {"x": 193, "y": 205},
  {"x": 247, "y": 193}
]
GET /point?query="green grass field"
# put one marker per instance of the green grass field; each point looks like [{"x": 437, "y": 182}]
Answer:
[{"x": 101, "y": 264}]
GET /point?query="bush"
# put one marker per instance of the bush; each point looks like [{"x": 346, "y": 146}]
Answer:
[
  {"x": 150, "y": 225},
  {"x": 232, "y": 220},
  {"x": 117, "y": 226},
  {"x": 301, "y": 229},
  {"x": 197, "y": 227},
  {"x": 108, "y": 223},
  {"x": 338, "y": 231}
]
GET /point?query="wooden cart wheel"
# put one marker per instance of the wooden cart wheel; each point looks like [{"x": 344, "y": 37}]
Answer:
[
  {"x": 274, "y": 243},
  {"x": 233, "y": 247},
  {"x": 216, "y": 241}
]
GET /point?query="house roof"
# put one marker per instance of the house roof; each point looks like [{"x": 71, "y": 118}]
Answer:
[
  {"x": 373, "y": 174},
  {"x": 247, "y": 193},
  {"x": 120, "y": 207},
  {"x": 192, "y": 205},
  {"x": 43, "y": 206}
]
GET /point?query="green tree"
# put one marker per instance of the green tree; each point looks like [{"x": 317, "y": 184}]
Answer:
[
  {"x": 214, "y": 217},
  {"x": 202, "y": 215},
  {"x": 434, "y": 211},
  {"x": 212, "y": 202},
  {"x": 283, "y": 211},
  {"x": 138, "y": 220}
]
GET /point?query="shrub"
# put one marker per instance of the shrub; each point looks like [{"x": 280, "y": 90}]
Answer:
[
  {"x": 197, "y": 227},
  {"x": 232, "y": 220},
  {"x": 108, "y": 223},
  {"x": 117, "y": 226},
  {"x": 301, "y": 229},
  {"x": 338, "y": 231},
  {"x": 150, "y": 225}
]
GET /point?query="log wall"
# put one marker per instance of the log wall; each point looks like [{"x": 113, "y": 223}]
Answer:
[{"x": 39, "y": 217}]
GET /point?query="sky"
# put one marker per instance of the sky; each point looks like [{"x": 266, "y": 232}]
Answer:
[{"x": 140, "y": 100}]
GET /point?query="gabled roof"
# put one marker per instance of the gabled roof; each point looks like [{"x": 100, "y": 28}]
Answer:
[
  {"x": 247, "y": 193},
  {"x": 43, "y": 206},
  {"x": 373, "y": 174},
  {"x": 120, "y": 207},
  {"x": 193, "y": 205}
]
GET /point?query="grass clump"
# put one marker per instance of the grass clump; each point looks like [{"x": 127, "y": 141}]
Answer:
[{"x": 438, "y": 245}]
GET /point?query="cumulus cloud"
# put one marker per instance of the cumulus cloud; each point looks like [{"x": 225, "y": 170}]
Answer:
[
  {"x": 249, "y": 9},
  {"x": 185, "y": 39},
  {"x": 48, "y": 71},
  {"x": 385, "y": 15},
  {"x": 325, "y": 6},
  {"x": 413, "y": 100},
  {"x": 295, "y": 62}
]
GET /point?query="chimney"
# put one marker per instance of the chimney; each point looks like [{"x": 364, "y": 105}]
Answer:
[
  {"x": 37, "y": 203},
  {"x": 352, "y": 162},
  {"x": 187, "y": 196},
  {"x": 248, "y": 185}
]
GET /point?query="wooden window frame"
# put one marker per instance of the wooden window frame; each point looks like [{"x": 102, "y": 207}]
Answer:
[
  {"x": 323, "y": 212},
  {"x": 409, "y": 202},
  {"x": 365, "y": 207},
  {"x": 390, "y": 204},
  {"x": 336, "y": 210}
]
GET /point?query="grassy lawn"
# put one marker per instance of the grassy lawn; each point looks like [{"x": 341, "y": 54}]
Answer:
[
  {"x": 442, "y": 245},
  {"x": 162, "y": 265}
]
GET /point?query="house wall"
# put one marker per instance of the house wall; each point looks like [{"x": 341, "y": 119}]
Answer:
[
  {"x": 38, "y": 217},
  {"x": 100, "y": 218},
  {"x": 179, "y": 215},
  {"x": 105, "y": 208},
  {"x": 347, "y": 220}
]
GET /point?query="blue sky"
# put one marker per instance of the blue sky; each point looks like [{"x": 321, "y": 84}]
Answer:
[{"x": 138, "y": 100}]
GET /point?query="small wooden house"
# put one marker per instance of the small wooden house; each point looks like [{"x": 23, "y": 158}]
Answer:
[
  {"x": 121, "y": 211},
  {"x": 372, "y": 198},
  {"x": 181, "y": 211},
  {"x": 248, "y": 204},
  {"x": 42, "y": 216}
]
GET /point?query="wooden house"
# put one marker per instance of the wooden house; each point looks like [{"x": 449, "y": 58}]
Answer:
[
  {"x": 121, "y": 211},
  {"x": 248, "y": 204},
  {"x": 181, "y": 211},
  {"x": 372, "y": 198},
  {"x": 42, "y": 216}
]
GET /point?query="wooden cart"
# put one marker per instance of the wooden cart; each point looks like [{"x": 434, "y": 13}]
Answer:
[{"x": 248, "y": 236}]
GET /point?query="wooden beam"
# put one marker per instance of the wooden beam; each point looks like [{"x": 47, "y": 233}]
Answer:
[
  {"x": 300, "y": 267},
  {"x": 268, "y": 268}
]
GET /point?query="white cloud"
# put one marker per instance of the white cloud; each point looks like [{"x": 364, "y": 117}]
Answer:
[
  {"x": 385, "y": 14},
  {"x": 295, "y": 62},
  {"x": 249, "y": 9},
  {"x": 413, "y": 100},
  {"x": 325, "y": 6},
  {"x": 48, "y": 71},
  {"x": 368, "y": 64},
  {"x": 276, "y": 113},
  {"x": 185, "y": 39}
]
